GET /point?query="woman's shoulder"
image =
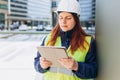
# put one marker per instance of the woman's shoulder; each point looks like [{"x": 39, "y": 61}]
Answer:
[{"x": 91, "y": 36}]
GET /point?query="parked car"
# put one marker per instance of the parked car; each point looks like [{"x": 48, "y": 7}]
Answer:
[
  {"x": 2, "y": 26},
  {"x": 40, "y": 28},
  {"x": 13, "y": 27},
  {"x": 48, "y": 28},
  {"x": 23, "y": 27}
]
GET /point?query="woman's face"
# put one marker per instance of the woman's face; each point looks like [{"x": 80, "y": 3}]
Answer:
[{"x": 66, "y": 21}]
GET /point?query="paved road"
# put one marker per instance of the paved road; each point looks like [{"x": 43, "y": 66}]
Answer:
[{"x": 17, "y": 58}]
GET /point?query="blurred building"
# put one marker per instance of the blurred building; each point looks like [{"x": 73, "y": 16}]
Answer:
[
  {"x": 40, "y": 12},
  {"x": 35, "y": 12},
  {"x": 87, "y": 16},
  {"x": 30, "y": 12},
  {"x": 3, "y": 11}
]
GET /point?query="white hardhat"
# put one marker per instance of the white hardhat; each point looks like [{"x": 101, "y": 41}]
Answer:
[{"x": 72, "y": 6}]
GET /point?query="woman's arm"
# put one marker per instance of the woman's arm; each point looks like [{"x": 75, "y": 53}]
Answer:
[
  {"x": 37, "y": 66},
  {"x": 89, "y": 68}
]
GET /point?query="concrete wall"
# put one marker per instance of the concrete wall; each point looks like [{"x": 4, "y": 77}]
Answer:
[{"x": 108, "y": 38}]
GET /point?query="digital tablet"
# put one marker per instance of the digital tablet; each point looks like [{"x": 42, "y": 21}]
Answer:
[{"x": 53, "y": 53}]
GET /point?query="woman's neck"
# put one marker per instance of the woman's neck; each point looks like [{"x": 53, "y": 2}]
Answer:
[{"x": 67, "y": 34}]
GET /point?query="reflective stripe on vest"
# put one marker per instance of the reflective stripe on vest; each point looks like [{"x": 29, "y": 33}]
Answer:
[{"x": 79, "y": 56}]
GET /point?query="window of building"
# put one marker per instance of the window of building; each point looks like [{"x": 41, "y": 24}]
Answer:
[
  {"x": 2, "y": 16},
  {"x": 3, "y": 6},
  {"x": 53, "y": 4}
]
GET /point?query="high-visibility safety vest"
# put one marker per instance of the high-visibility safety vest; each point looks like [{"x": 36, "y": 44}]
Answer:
[{"x": 64, "y": 74}]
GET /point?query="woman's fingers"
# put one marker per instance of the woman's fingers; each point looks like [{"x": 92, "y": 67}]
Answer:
[
  {"x": 68, "y": 63},
  {"x": 45, "y": 63}
]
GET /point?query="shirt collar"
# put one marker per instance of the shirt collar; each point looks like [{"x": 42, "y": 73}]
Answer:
[{"x": 67, "y": 34}]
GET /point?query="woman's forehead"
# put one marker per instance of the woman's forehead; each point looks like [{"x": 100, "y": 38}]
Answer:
[{"x": 65, "y": 13}]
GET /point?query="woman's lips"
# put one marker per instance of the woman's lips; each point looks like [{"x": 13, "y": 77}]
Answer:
[{"x": 64, "y": 26}]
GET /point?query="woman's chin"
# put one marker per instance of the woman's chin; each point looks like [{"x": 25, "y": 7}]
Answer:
[{"x": 64, "y": 30}]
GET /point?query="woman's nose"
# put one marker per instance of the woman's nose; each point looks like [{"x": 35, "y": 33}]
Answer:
[{"x": 64, "y": 21}]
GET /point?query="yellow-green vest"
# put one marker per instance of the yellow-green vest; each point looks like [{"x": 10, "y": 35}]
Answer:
[{"x": 79, "y": 56}]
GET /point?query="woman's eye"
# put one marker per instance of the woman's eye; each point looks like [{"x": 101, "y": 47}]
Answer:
[
  {"x": 65, "y": 18},
  {"x": 68, "y": 18},
  {"x": 60, "y": 18}
]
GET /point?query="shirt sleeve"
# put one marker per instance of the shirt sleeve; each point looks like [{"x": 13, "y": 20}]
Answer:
[
  {"x": 89, "y": 68},
  {"x": 37, "y": 66}
]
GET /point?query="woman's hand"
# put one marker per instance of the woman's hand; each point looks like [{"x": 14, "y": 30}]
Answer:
[
  {"x": 45, "y": 63},
  {"x": 69, "y": 63}
]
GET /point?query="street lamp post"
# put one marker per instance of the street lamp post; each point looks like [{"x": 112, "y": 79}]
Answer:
[
  {"x": 53, "y": 8},
  {"x": 8, "y": 16}
]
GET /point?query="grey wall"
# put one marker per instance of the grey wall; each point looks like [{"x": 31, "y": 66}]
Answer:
[{"x": 108, "y": 38}]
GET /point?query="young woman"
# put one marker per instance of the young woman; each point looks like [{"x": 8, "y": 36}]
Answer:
[{"x": 82, "y": 62}]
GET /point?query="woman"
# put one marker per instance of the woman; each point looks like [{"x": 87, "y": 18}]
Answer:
[{"x": 82, "y": 61}]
